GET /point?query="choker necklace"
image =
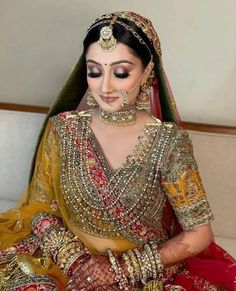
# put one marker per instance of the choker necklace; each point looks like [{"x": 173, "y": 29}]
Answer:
[{"x": 119, "y": 118}]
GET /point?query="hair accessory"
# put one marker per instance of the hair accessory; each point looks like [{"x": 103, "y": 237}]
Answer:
[
  {"x": 143, "y": 23},
  {"x": 107, "y": 41},
  {"x": 127, "y": 27}
]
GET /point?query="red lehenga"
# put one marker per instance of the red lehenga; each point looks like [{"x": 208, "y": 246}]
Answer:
[{"x": 154, "y": 195}]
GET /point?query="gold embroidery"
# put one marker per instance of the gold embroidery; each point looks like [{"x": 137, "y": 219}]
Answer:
[
  {"x": 129, "y": 202},
  {"x": 182, "y": 184},
  {"x": 41, "y": 188}
]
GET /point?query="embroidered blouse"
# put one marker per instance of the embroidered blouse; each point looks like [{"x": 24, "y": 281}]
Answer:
[{"x": 156, "y": 191}]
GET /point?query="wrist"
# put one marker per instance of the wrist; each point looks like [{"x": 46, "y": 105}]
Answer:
[
  {"x": 57, "y": 242},
  {"x": 143, "y": 265}
]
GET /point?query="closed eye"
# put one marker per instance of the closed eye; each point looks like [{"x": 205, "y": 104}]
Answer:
[
  {"x": 121, "y": 75},
  {"x": 94, "y": 75}
]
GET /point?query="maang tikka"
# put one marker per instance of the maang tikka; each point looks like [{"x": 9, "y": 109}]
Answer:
[{"x": 107, "y": 41}]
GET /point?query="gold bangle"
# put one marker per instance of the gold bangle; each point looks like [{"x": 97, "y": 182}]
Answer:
[
  {"x": 71, "y": 247},
  {"x": 135, "y": 263},
  {"x": 151, "y": 257},
  {"x": 130, "y": 268},
  {"x": 157, "y": 255},
  {"x": 120, "y": 276}
]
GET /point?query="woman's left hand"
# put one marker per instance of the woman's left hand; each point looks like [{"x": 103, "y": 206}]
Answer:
[{"x": 94, "y": 274}]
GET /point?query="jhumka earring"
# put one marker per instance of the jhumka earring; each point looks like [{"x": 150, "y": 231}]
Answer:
[
  {"x": 143, "y": 99},
  {"x": 90, "y": 99}
]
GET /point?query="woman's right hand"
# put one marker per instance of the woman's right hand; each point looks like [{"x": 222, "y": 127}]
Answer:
[{"x": 95, "y": 274}]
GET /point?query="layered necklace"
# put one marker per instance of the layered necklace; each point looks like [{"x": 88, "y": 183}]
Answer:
[{"x": 119, "y": 118}]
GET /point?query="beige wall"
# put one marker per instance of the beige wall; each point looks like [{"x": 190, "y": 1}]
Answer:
[{"x": 41, "y": 40}]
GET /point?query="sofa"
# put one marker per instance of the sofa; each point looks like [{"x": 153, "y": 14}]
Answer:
[{"x": 214, "y": 152}]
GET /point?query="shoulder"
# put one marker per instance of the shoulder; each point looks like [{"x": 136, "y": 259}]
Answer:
[
  {"x": 69, "y": 121},
  {"x": 176, "y": 131},
  {"x": 176, "y": 138},
  {"x": 68, "y": 117}
]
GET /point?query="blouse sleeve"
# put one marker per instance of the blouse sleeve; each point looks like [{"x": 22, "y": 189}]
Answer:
[
  {"x": 182, "y": 184},
  {"x": 15, "y": 224},
  {"x": 44, "y": 182}
]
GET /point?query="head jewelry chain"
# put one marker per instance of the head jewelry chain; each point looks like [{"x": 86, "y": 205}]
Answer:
[{"x": 107, "y": 41}]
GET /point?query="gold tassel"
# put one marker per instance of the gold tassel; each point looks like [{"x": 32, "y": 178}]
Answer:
[{"x": 154, "y": 285}]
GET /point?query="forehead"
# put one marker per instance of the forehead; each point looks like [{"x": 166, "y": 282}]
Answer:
[{"x": 120, "y": 52}]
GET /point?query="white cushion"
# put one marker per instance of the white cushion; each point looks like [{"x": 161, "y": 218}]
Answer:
[
  {"x": 6, "y": 205},
  {"x": 19, "y": 132},
  {"x": 229, "y": 244}
]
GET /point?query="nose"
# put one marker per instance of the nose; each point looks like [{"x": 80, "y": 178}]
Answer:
[{"x": 106, "y": 86}]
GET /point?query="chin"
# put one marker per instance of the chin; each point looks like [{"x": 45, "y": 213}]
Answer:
[{"x": 110, "y": 108}]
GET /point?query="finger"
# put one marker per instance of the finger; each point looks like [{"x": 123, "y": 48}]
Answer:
[
  {"x": 91, "y": 286},
  {"x": 71, "y": 288},
  {"x": 78, "y": 277},
  {"x": 81, "y": 270}
]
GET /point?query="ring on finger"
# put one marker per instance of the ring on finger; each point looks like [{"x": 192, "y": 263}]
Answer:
[{"x": 89, "y": 279}]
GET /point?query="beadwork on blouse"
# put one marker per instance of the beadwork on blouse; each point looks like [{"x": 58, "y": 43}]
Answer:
[{"x": 129, "y": 202}]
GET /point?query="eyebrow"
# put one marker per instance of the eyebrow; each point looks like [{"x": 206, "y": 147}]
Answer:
[{"x": 111, "y": 64}]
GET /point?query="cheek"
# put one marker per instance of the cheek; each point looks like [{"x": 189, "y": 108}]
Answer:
[{"x": 93, "y": 83}]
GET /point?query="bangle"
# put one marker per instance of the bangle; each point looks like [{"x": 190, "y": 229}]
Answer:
[
  {"x": 130, "y": 268},
  {"x": 120, "y": 276},
  {"x": 157, "y": 256},
  {"x": 135, "y": 261},
  {"x": 145, "y": 267},
  {"x": 57, "y": 242},
  {"x": 151, "y": 257}
]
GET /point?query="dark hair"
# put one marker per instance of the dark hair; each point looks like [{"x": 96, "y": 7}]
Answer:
[{"x": 124, "y": 36}]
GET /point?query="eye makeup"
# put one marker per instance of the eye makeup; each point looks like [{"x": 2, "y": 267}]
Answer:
[{"x": 118, "y": 71}]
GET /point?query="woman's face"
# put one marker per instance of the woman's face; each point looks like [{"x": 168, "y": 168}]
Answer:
[{"x": 109, "y": 71}]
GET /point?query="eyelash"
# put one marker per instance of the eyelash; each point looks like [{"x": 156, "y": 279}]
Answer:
[
  {"x": 97, "y": 75},
  {"x": 94, "y": 75},
  {"x": 121, "y": 75}
]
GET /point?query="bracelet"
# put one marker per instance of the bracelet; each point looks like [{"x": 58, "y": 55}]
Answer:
[
  {"x": 157, "y": 256},
  {"x": 42, "y": 223},
  {"x": 55, "y": 240},
  {"x": 135, "y": 261},
  {"x": 130, "y": 268},
  {"x": 152, "y": 260},
  {"x": 68, "y": 260},
  {"x": 144, "y": 265},
  {"x": 120, "y": 276},
  {"x": 58, "y": 243}
]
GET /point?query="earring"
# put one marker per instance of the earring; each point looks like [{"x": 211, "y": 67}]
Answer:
[
  {"x": 143, "y": 99},
  {"x": 125, "y": 94},
  {"x": 90, "y": 99}
]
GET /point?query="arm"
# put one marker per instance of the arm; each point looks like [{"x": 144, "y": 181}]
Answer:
[
  {"x": 185, "y": 245},
  {"x": 182, "y": 185}
]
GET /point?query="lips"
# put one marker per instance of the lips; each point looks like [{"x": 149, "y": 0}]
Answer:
[{"x": 109, "y": 98}]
